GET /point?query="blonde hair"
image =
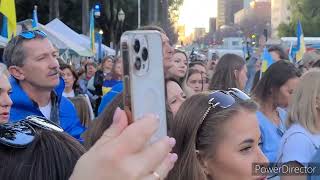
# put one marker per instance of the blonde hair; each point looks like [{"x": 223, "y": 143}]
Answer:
[
  {"x": 3, "y": 70},
  {"x": 303, "y": 108}
]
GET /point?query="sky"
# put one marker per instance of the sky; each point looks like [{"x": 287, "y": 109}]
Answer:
[{"x": 196, "y": 13}]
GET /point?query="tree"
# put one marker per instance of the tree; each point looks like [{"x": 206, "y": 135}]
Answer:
[
  {"x": 308, "y": 12},
  {"x": 85, "y": 16},
  {"x": 53, "y": 9},
  {"x": 170, "y": 16}
]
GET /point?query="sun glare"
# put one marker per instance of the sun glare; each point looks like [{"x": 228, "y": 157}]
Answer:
[{"x": 196, "y": 13}]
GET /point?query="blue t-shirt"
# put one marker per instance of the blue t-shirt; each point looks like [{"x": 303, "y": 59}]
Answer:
[
  {"x": 271, "y": 134},
  {"x": 298, "y": 144}
]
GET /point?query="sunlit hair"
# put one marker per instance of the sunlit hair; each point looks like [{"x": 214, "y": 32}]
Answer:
[
  {"x": 224, "y": 75},
  {"x": 191, "y": 136},
  {"x": 52, "y": 155},
  {"x": 102, "y": 122},
  {"x": 3, "y": 70},
  {"x": 305, "y": 103},
  {"x": 83, "y": 109}
]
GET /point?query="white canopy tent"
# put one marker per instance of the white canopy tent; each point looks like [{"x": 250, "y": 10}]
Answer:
[
  {"x": 84, "y": 41},
  {"x": 60, "y": 40},
  {"x": 3, "y": 42}
]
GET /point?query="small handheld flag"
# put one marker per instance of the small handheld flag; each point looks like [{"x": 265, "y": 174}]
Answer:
[
  {"x": 92, "y": 38},
  {"x": 266, "y": 60},
  {"x": 35, "y": 18},
  {"x": 301, "y": 47}
]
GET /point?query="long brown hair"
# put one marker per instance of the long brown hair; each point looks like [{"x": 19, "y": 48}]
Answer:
[
  {"x": 102, "y": 122},
  {"x": 191, "y": 136},
  {"x": 223, "y": 76},
  {"x": 52, "y": 155}
]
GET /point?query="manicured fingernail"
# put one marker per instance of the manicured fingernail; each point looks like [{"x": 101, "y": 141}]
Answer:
[
  {"x": 173, "y": 157},
  {"x": 116, "y": 116},
  {"x": 172, "y": 142}
]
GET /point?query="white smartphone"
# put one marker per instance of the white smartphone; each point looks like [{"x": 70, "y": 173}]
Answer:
[{"x": 143, "y": 77}]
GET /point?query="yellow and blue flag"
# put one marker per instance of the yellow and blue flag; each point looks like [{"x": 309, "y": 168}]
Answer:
[
  {"x": 301, "y": 47},
  {"x": 35, "y": 18},
  {"x": 266, "y": 60},
  {"x": 92, "y": 33},
  {"x": 7, "y": 8}
]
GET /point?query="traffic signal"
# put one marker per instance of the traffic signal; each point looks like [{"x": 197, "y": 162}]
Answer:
[{"x": 97, "y": 11}]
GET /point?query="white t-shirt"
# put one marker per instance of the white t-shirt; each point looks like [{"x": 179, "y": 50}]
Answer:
[
  {"x": 298, "y": 144},
  {"x": 46, "y": 110},
  {"x": 70, "y": 94}
]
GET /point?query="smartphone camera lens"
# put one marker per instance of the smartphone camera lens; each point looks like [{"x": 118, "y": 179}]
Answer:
[
  {"x": 144, "y": 54},
  {"x": 137, "y": 64},
  {"x": 136, "y": 46}
]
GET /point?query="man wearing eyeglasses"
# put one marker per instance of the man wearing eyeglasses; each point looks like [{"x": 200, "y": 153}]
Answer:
[{"x": 32, "y": 62}]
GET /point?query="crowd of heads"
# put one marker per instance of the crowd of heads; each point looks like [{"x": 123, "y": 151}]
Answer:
[{"x": 219, "y": 130}]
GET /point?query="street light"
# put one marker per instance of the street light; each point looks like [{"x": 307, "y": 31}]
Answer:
[
  {"x": 100, "y": 45},
  {"x": 97, "y": 12},
  {"x": 121, "y": 15}
]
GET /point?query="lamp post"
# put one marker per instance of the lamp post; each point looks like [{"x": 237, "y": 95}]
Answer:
[
  {"x": 139, "y": 13},
  {"x": 100, "y": 45},
  {"x": 121, "y": 17}
]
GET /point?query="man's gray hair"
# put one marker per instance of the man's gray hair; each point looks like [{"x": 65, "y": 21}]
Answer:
[{"x": 13, "y": 54}]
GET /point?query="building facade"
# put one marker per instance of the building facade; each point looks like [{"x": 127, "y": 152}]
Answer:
[
  {"x": 199, "y": 33},
  {"x": 280, "y": 13},
  {"x": 255, "y": 19},
  {"x": 226, "y": 11},
  {"x": 212, "y": 25}
]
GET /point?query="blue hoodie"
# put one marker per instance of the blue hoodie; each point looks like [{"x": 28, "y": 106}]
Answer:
[{"x": 23, "y": 106}]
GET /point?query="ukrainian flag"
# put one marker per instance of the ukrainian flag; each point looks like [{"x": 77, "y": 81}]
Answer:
[
  {"x": 7, "y": 8},
  {"x": 301, "y": 47},
  {"x": 92, "y": 38},
  {"x": 266, "y": 60},
  {"x": 35, "y": 18}
]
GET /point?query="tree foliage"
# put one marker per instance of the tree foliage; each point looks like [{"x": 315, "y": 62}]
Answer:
[
  {"x": 70, "y": 13},
  {"x": 308, "y": 12}
]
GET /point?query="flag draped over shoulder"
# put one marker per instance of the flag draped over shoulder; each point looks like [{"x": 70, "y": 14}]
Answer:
[
  {"x": 7, "y": 8},
  {"x": 35, "y": 18},
  {"x": 92, "y": 38},
  {"x": 301, "y": 47},
  {"x": 266, "y": 60}
]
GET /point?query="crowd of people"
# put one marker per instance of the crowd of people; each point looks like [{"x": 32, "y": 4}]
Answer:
[{"x": 223, "y": 116}]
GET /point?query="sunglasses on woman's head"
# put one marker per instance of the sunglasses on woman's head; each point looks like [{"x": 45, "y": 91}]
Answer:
[
  {"x": 224, "y": 99},
  {"x": 32, "y": 34},
  {"x": 22, "y": 133}
]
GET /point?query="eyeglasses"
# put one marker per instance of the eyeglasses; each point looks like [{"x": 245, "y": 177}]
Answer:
[
  {"x": 224, "y": 100},
  {"x": 22, "y": 133},
  {"x": 32, "y": 34}
]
